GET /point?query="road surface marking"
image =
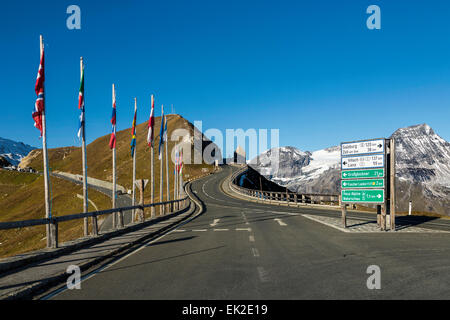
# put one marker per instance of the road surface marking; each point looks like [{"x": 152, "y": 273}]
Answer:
[
  {"x": 221, "y": 229},
  {"x": 281, "y": 223},
  {"x": 179, "y": 230},
  {"x": 262, "y": 274},
  {"x": 251, "y": 238},
  {"x": 255, "y": 252},
  {"x": 199, "y": 230},
  {"x": 215, "y": 222},
  {"x": 286, "y": 212},
  {"x": 244, "y": 229}
]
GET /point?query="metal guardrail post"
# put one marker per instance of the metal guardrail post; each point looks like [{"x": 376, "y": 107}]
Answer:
[
  {"x": 54, "y": 233},
  {"x": 94, "y": 225},
  {"x": 120, "y": 224}
]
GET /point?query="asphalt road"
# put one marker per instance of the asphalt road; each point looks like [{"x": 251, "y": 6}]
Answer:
[{"x": 242, "y": 250}]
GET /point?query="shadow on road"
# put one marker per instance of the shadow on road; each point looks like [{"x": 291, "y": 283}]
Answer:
[
  {"x": 170, "y": 241},
  {"x": 411, "y": 221},
  {"x": 164, "y": 259}
]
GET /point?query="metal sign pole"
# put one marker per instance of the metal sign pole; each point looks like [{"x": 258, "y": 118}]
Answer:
[{"x": 392, "y": 178}]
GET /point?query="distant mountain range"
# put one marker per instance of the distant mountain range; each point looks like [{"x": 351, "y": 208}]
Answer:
[
  {"x": 12, "y": 152},
  {"x": 422, "y": 162}
]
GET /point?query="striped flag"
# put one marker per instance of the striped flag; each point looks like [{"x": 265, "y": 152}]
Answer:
[
  {"x": 112, "y": 141},
  {"x": 133, "y": 130},
  {"x": 151, "y": 124},
  {"x": 165, "y": 128},
  {"x": 81, "y": 104},
  {"x": 161, "y": 133},
  {"x": 39, "y": 106}
]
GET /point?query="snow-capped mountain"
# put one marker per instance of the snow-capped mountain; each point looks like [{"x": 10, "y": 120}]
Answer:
[
  {"x": 14, "y": 151},
  {"x": 422, "y": 164}
]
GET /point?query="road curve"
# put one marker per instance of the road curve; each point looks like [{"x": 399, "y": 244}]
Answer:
[{"x": 242, "y": 250}]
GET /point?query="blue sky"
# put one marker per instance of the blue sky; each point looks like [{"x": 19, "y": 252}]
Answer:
[{"x": 310, "y": 68}]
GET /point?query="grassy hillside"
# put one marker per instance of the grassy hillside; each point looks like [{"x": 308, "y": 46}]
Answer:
[{"x": 21, "y": 198}]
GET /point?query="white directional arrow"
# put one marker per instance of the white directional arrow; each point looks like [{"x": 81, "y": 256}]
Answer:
[
  {"x": 281, "y": 223},
  {"x": 215, "y": 222},
  {"x": 379, "y": 195}
]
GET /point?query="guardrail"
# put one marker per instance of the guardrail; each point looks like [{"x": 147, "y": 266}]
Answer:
[
  {"x": 173, "y": 206},
  {"x": 282, "y": 197}
]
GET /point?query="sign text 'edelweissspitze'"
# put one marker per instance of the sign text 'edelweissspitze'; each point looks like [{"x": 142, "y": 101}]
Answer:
[{"x": 362, "y": 147}]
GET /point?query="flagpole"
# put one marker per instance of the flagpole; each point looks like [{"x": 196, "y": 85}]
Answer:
[
  {"x": 83, "y": 155},
  {"x": 166, "y": 144},
  {"x": 179, "y": 182},
  {"x": 114, "y": 169},
  {"x": 48, "y": 213},
  {"x": 175, "y": 174},
  {"x": 134, "y": 165},
  {"x": 152, "y": 153},
  {"x": 161, "y": 165}
]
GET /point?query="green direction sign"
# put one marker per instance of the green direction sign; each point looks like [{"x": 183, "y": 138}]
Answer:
[
  {"x": 366, "y": 196},
  {"x": 366, "y": 173},
  {"x": 362, "y": 183}
]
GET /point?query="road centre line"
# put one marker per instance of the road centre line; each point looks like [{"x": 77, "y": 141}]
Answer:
[
  {"x": 244, "y": 229},
  {"x": 255, "y": 252}
]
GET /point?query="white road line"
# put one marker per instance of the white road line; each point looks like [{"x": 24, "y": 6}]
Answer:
[
  {"x": 287, "y": 213},
  {"x": 178, "y": 230},
  {"x": 251, "y": 238},
  {"x": 221, "y": 229},
  {"x": 255, "y": 252},
  {"x": 262, "y": 274},
  {"x": 244, "y": 229},
  {"x": 199, "y": 230},
  {"x": 281, "y": 223},
  {"x": 215, "y": 222}
]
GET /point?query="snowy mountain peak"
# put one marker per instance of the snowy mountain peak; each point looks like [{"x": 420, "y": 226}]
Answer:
[
  {"x": 419, "y": 129},
  {"x": 14, "y": 151}
]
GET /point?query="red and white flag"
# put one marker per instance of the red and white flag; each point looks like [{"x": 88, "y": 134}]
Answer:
[
  {"x": 151, "y": 124},
  {"x": 39, "y": 106},
  {"x": 112, "y": 141}
]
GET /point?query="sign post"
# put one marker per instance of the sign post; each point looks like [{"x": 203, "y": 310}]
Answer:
[{"x": 364, "y": 177}]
